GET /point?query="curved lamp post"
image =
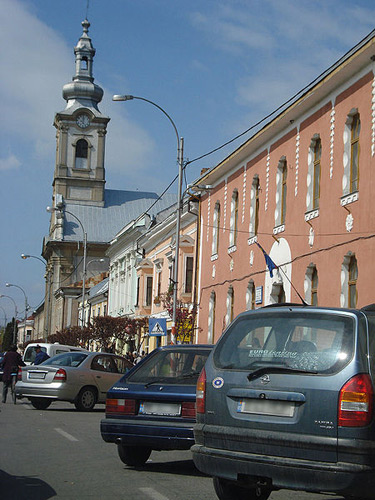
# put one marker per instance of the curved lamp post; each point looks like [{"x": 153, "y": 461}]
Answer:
[
  {"x": 48, "y": 281},
  {"x": 180, "y": 159},
  {"x": 61, "y": 210}
]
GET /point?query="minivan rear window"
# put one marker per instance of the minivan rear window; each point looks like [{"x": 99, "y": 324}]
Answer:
[{"x": 318, "y": 342}]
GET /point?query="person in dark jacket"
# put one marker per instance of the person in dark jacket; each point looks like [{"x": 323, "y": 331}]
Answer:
[
  {"x": 40, "y": 355},
  {"x": 12, "y": 360}
]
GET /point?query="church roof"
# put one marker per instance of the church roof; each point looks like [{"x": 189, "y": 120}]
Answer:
[{"x": 120, "y": 207}]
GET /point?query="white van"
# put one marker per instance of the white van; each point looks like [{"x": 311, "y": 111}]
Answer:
[{"x": 50, "y": 349}]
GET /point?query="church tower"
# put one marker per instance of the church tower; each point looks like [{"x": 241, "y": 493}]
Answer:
[{"x": 79, "y": 176}]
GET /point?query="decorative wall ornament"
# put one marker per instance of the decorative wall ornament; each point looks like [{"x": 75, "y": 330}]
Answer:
[
  {"x": 297, "y": 163},
  {"x": 349, "y": 222},
  {"x": 267, "y": 181},
  {"x": 251, "y": 260},
  {"x": 213, "y": 271},
  {"x": 208, "y": 214},
  {"x": 225, "y": 205},
  {"x": 231, "y": 265},
  {"x": 244, "y": 194},
  {"x": 311, "y": 237},
  {"x": 332, "y": 140}
]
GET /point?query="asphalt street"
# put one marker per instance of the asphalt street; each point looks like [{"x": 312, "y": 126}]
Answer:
[{"x": 59, "y": 453}]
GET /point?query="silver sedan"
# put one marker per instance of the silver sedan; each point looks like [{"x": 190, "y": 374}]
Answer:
[{"x": 82, "y": 378}]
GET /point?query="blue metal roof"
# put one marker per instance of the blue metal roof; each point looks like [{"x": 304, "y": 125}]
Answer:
[{"x": 120, "y": 207}]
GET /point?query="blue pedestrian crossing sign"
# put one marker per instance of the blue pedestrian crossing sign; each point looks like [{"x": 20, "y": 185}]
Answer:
[{"x": 157, "y": 327}]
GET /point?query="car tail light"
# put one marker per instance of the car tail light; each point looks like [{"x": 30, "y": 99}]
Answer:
[
  {"x": 188, "y": 410},
  {"x": 120, "y": 406},
  {"x": 19, "y": 374},
  {"x": 60, "y": 375},
  {"x": 201, "y": 392},
  {"x": 355, "y": 402}
]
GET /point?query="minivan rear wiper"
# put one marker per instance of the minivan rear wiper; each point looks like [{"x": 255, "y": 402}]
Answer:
[{"x": 277, "y": 369}]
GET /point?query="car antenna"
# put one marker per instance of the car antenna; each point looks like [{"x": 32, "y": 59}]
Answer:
[{"x": 294, "y": 288}]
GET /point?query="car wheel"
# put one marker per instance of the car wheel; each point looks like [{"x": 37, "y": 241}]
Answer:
[
  {"x": 86, "y": 399},
  {"x": 40, "y": 403},
  {"x": 230, "y": 490},
  {"x": 133, "y": 455}
]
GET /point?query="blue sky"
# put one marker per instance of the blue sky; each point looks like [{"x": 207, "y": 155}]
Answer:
[{"x": 215, "y": 66}]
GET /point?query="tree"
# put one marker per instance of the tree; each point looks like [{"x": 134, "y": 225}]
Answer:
[
  {"x": 107, "y": 331},
  {"x": 8, "y": 335},
  {"x": 185, "y": 317}
]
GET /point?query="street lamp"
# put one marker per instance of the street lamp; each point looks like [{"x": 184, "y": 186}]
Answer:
[
  {"x": 15, "y": 317},
  {"x": 180, "y": 160},
  {"x": 26, "y": 305},
  {"x": 60, "y": 210},
  {"x": 48, "y": 281}
]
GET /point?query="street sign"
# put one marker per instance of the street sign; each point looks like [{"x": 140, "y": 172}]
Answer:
[{"x": 157, "y": 327}]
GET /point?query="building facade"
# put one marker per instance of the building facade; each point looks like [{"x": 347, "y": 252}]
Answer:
[{"x": 301, "y": 190}]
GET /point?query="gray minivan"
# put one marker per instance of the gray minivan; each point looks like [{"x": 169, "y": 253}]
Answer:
[{"x": 286, "y": 401}]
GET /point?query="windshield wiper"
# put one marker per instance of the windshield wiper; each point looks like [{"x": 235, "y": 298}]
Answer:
[
  {"x": 277, "y": 369},
  {"x": 157, "y": 381}
]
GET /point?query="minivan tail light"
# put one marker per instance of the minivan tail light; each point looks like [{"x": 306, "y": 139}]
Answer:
[
  {"x": 356, "y": 402},
  {"x": 120, "y": 406},
  {"x": 60, "y": 375},
  {"x": 188, "y": 409},
  {"x": 201, "y": 392}
]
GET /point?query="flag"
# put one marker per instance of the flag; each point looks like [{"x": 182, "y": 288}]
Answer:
[{"x": 269, "y": 262}]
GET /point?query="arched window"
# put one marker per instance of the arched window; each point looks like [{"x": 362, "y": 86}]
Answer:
[
  {"x": 234, "y": 219},
  {"x": 250, "y": 296},
  {"x": 352, "y": 282},
  {"x": 354, "y": 153},
  {"x": 81, "y": 154},
  {"x": 211, "y": 318},
  {"x": 316, "y": 173},
  {"x": 284, "y": 172},
  {"x": 254, "y": 207},
  {"x": 216, "y": 229}
]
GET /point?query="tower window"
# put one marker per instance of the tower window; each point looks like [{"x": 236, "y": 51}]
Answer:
[
  {"x": 84, "y": 63},
  {"x": 81, "y": 154}
]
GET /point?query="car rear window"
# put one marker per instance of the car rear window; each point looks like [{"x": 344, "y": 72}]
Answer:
[
  {"x": 66, "y": 359},
  {"x": 177, "y": 367},
  {"x": 311, "y": 341}
]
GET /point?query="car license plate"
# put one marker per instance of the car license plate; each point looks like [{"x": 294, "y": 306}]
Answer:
[
  {"x": 165, "y": 409},
  {"x": 266, "y": 407},
  {"x": 37, "y": 375}
]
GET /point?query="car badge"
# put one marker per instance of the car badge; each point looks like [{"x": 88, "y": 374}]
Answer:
[
  {"x": 218, "y": 382},
  {"x": 265, "y": 379}
]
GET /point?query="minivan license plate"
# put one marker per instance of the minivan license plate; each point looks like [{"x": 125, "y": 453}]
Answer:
[
  {"x": 167, "y": 409},
  {"x": 266, "y": 407}
]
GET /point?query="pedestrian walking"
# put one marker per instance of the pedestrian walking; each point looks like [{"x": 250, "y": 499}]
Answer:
[
  {"x": 12, "y": 361},
  {"x": 40, "y": 355}
]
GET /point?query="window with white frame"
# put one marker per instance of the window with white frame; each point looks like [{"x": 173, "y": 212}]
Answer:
[
  {"x": 230, "y": 305},
  {"x": 216, "y": 229},
  {"x": 254, "y": 207},
  {"x": 148, "y": 291},
  {"x": 250, "y": 296},
  {"x": 311, "y": 285},
  {"x": 211, "y": 318},
  {"x": 349, "y": 282},
  {"x": 189, "y": 271},
  {"x": 233, "y": 219},
  {"x": 351, "y": 153},
  {"x": 281, "y": 192}
]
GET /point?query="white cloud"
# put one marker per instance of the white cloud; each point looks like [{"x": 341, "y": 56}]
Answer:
[{"x": 9, "y": 163}]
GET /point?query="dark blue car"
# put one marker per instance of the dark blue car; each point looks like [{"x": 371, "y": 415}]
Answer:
[{"x": 152, "y": 407}]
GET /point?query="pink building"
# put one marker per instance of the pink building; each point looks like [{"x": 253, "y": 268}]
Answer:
[{"x": 302, "y": 188}]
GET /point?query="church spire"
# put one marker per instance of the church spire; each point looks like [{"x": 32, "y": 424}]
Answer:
[{"x": 82, "y": 91}]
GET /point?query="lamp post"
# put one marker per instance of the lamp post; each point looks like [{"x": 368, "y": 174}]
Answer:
[
  {"x": 48, "y": 281},
  {"x": 26, "y": 304},
  {"x": 15, "y": 317},
  {"x": 180, "y": 160},
  {"x": 58, "y": 209}
]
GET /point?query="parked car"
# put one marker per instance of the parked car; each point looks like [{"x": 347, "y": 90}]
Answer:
[
  {"x": 82, "y": 378},
  {"x": 152, "y": 407},
  {"x": 286, "y": 400},
  {"x": 50, "y": 349}
]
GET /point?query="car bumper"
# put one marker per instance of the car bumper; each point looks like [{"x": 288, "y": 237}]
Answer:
[
  {"x": 60, "y": 392},
  {"x": 296, "y": 474},
  {"x": 157, "y": 435}
]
